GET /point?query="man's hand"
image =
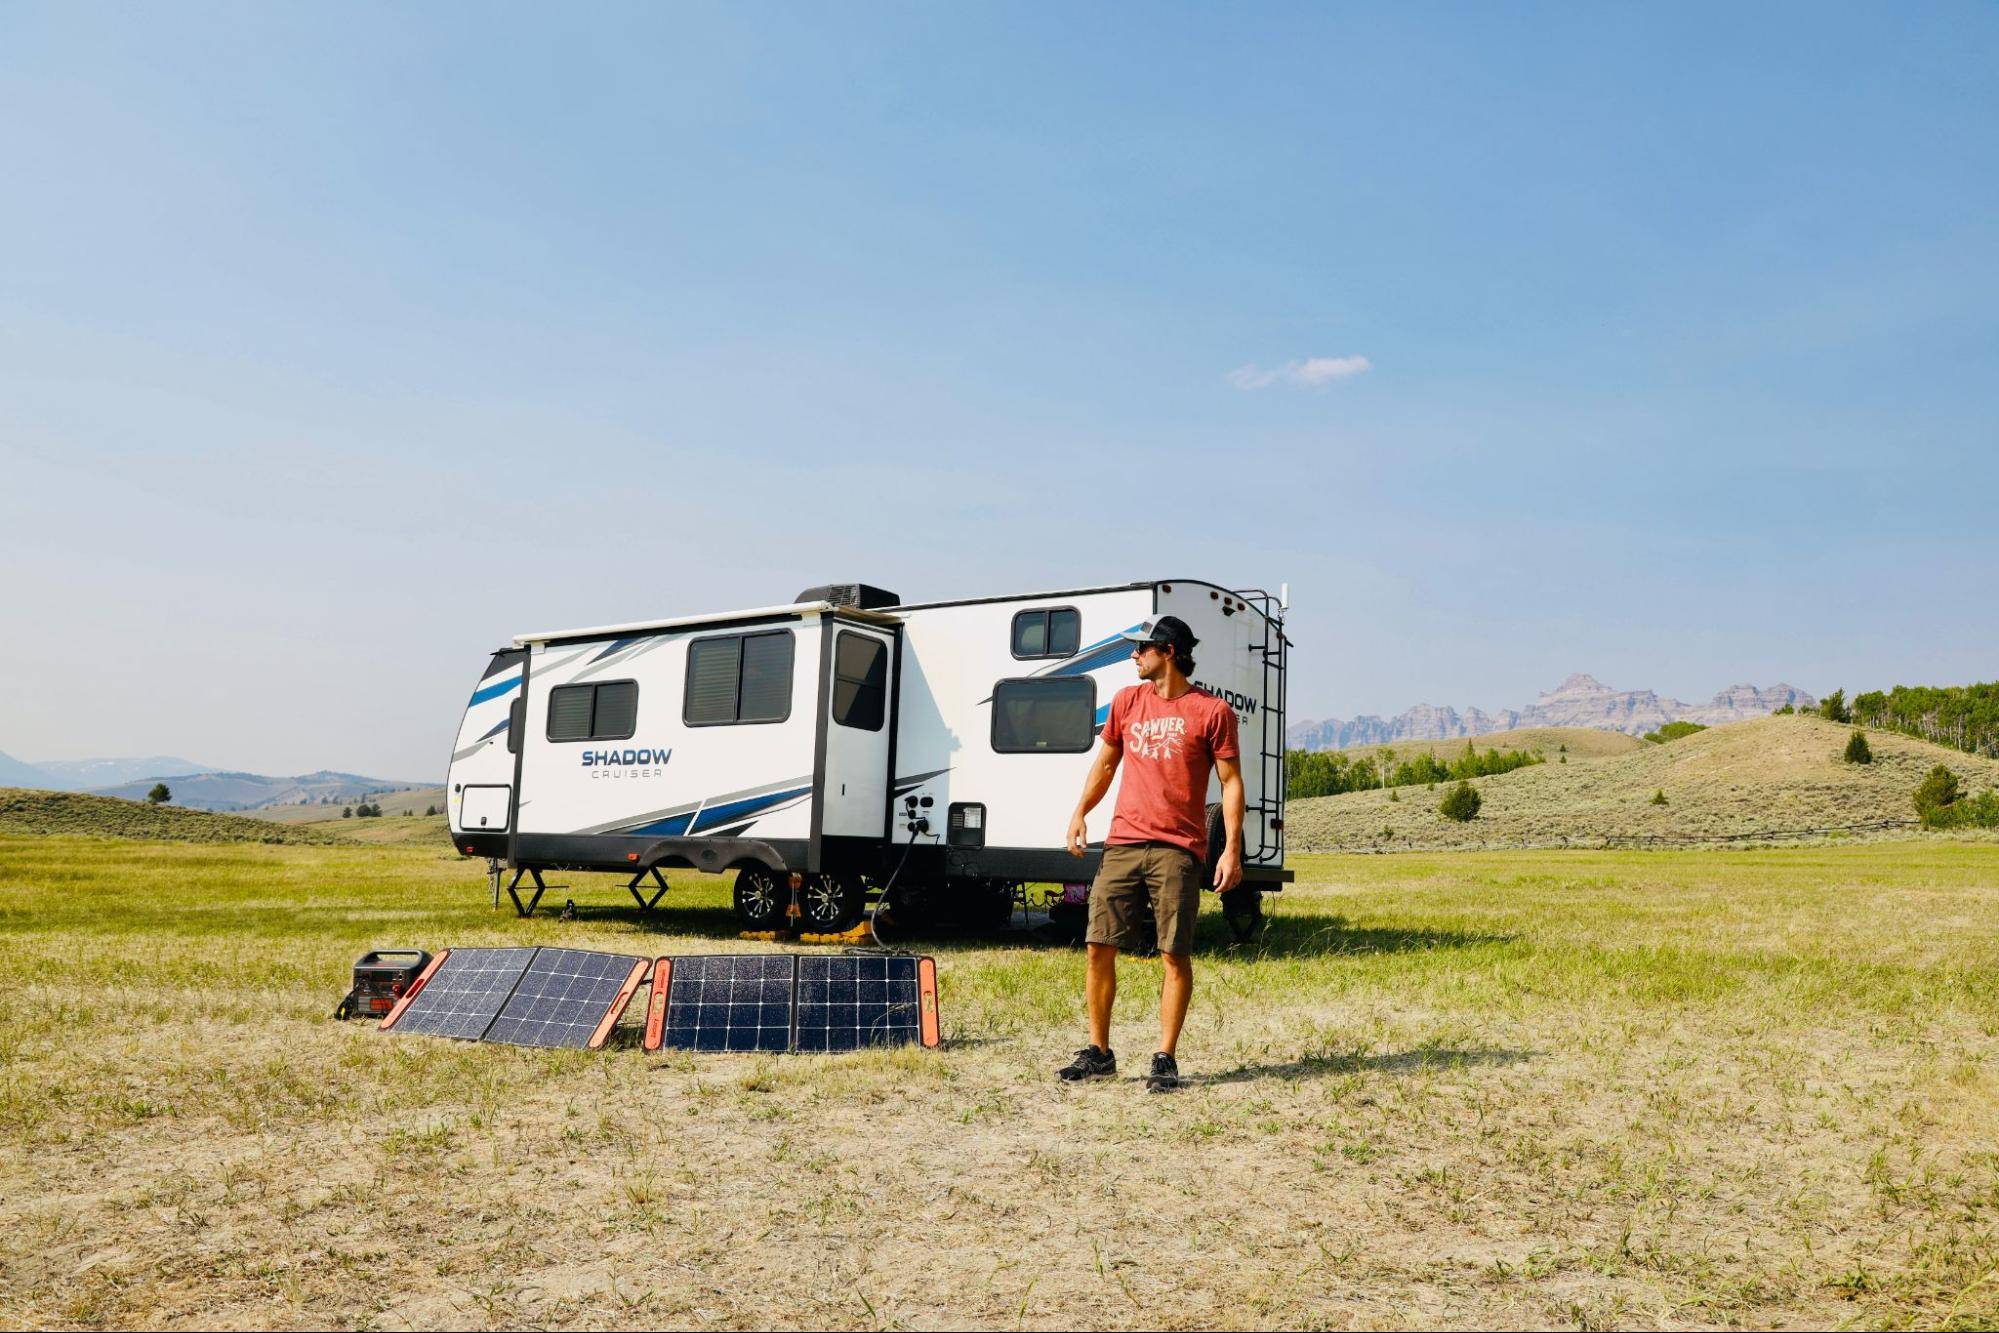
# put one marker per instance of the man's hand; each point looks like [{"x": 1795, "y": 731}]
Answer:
[
  {"x": 1079, "y": 835},
  {"x": 1228, "y": 870}
]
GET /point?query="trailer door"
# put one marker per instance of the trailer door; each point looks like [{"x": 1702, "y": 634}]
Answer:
[{"x": 853, "y": 786}]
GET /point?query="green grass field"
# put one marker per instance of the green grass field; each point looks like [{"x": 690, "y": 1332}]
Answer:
[{"x": 1751, "y": 1089}]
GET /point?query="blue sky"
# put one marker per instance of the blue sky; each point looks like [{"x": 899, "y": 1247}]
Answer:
[{"x": 339, "y": 343}]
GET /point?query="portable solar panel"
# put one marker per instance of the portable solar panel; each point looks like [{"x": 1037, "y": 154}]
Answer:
[
  {"x": 524, "y": 997},
  {"x": 461, "y": 993},
  {"x": 791, "y": 1002},
  {"x": 568, "y": 997}
]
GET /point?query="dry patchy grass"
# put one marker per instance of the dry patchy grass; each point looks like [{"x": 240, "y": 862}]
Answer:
[
  {"x": 1483, "y": 1090},
  {"x": 1748, "y": 779}
]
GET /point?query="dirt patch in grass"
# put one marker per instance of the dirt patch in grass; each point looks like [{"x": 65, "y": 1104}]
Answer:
[{"x": 1504, "y": 1090}]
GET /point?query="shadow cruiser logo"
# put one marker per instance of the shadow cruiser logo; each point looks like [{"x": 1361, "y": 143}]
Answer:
[{"x": 645, "y": 762}]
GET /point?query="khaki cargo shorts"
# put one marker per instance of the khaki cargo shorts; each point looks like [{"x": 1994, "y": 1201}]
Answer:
[{"x": 1141, "y": 879}]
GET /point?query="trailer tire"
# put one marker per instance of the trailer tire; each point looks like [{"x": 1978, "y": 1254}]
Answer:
[
  {"x": 1242, "y": 906},
  {"x": 829, "y": 904},
  {"x": 761, "y": 897}
]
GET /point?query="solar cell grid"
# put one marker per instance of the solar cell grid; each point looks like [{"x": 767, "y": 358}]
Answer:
[
  {"x": 564, "y": 996},
  {"x": 465, "y": 992},
  {"x": 849, "y": 1002},
  {"x": 730, "y": 1002}
]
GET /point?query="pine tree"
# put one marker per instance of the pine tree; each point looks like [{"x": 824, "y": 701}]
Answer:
[
  {"x": 1659, "y": 796},
  {"x": 1936, "y": 796},
  {"x": 159, "y": 795},
  {"x": 1833, "y": 707},
  {"x": 1856, "y": 748},
  {"x": 1460, "y": 803}
]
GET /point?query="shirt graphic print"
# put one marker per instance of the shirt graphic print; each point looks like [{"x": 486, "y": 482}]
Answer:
[{"x": 1170, "y": 747}]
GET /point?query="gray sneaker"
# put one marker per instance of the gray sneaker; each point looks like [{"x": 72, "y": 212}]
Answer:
[{"x": 1165, "y": 1075}]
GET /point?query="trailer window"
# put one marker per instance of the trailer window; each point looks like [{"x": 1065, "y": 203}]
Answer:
[
  {"x": 1049, "y": 632},
  {"x": 860, "y": 681},
  {"x": 601, "y": 711},
  {"x": 738, "y": 678},
  {"x": 1045, "y": 715}
]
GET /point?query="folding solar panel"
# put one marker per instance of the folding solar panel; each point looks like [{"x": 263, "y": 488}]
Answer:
[
  {"x": 461, "y": 992},
  {"x": 568, "y": 997},
  {"x": 792, "y": 1002},
  {"x": 524, "y": 997}
]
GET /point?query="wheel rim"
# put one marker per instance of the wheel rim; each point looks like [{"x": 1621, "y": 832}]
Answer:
[
  {"x": 822, "y": 902},
  {"x": 759, "y": 897}
]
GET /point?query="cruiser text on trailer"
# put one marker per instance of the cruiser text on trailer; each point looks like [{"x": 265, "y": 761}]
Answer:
[{"x": 816, "y": 749}]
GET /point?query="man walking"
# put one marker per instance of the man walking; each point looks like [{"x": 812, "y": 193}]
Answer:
[{"x": 1168, "y": 737}]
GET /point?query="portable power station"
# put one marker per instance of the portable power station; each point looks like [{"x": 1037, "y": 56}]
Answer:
[{"x": 380, "y": 979}]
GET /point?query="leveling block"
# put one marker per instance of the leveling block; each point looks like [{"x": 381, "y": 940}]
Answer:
[
  {"x": 792, "y": 1002},
  {"x": 523, "y": 997}
]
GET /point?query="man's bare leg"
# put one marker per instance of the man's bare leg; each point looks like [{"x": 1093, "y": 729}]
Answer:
[
  {"x": 1175, "y": 989},
  {"x": 1100, "y": 988}
]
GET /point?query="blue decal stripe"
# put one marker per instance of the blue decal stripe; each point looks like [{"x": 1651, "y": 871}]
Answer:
[
  {"x": 1097, "y": 655},
  {"x": 671, "y": 827},
  {"x": 495, "y": 691},
  {"x": 619, "y": 646},
  {"x": 749, "y": 805}
]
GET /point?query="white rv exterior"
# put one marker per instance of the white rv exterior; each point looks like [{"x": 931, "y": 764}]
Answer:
[{"x": 945, "y": 742}]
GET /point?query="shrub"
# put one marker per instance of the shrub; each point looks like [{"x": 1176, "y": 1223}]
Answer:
[
  {"x": 1934, "y": 798},
  {"x": 1856, "y": 748},
  {"x": 1786, "y": 711},
  {"x": 159, "y": 795},
  {"x": 1460, "y": 803},
  {"x": 1659, "y": 796},
  {"x": 1673, "y": 731},
  {"x": 1394, "y": 795},
  {"x": 347, "y": 812}
]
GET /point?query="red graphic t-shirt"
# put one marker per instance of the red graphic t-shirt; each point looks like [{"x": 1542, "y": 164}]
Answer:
[{"x": 1170, "y": 747}]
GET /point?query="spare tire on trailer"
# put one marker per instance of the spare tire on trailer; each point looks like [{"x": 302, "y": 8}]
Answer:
[{"x": 1242, "y": 906}]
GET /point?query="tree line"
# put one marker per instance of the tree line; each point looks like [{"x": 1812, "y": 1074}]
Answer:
[
  {"x": 1964, "y": 717},
  {"x": 1331, "y": 772}
]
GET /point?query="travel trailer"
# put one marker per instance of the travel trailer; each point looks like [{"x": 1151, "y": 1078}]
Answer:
[{"x": 827, "y": 748}]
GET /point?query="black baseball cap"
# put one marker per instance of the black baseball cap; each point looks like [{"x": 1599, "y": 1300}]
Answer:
[{"x": 1166, "y": 631}]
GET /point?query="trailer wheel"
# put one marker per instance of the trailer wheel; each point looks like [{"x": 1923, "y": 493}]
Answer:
[
  {"x": 829, "y": 904},
  {"x": 761, "y": 897}
]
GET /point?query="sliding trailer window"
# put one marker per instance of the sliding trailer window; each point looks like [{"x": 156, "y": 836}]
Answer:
[
  {"x": 605, "y": 710},
  {"x": 734, "y": 678},
  {"x": 1045, "y": 715},
  {"x": 1055, "y": 631}
]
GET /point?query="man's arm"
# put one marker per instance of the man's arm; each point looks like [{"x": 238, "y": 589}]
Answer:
[
  {"x": 1102, "y": 770},
  {"x": 1228, "y": 870}
]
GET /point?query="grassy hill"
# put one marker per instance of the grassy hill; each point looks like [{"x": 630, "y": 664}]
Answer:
[
  {"x": 411, "y": 802},
  {"x": 1583, "y": 743},
  {"x": 1772, "y": 775},
  {"x": 74, "y": 813}
]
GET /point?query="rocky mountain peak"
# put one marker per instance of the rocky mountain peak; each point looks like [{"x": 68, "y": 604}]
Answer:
[{"x": 1580, "y": 701}]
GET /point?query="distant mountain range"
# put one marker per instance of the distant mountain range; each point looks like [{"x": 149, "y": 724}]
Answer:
[
  {"x": 194, "y": 785},
  {"x": 1579, "y": 701}
]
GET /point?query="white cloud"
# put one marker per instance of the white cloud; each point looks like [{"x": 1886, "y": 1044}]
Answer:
[{"x": 1314, "y": 372}]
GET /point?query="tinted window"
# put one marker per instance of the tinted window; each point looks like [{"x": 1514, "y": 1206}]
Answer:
[
  {"x": 739, "y": 678},
  {"x": 712, "y": 666},
  {"x": 766, "y": 678},
  {"x": 860, "y": 681},
  {"x": 1055, "y": 632},
  {"x": 1045, "y": 715},
  {"x": 602, "y": 711},
  {"x": 617, "y": 713}
]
